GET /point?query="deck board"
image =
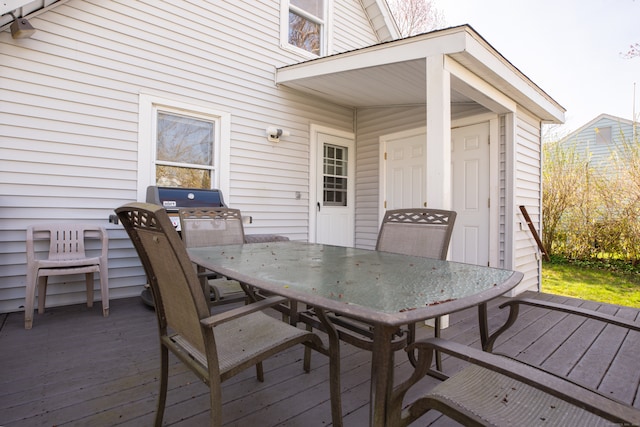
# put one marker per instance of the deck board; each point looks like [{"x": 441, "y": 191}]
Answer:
[{"x": 77, "y": 368}]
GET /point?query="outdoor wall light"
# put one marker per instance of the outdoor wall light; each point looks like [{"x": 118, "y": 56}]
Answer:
[
  {"x": 274, "y": 134},
  {"x": 21, "y": 28}
]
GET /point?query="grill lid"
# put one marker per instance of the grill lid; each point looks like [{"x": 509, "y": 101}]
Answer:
[{"x": 174, "y": 198}]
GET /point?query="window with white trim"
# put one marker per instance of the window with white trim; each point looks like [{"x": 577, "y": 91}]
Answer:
[
  {"x": 185, "y": 146},
  {"x": 182, "y": 145},
  {"x": 306, "y": 25}
]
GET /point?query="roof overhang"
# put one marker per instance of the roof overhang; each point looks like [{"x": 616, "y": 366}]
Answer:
[
  {"x": 381, "y": 19},
  {"x": 395, "y": 74},
  {"x": 24, "y": 9}
]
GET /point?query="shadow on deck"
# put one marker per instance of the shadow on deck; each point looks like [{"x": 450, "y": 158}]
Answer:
[{"x": 77, "y": 368}]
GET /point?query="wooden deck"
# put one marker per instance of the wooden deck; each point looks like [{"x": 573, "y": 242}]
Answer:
[{"x": 77, "y": 368}]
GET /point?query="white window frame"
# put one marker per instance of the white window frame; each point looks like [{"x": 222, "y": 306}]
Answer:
[
  {"x": 148, "y": 107},
  {"x": 325, "y": 41}
]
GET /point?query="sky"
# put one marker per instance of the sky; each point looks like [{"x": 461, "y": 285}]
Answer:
[{"x": 571, "y": 49}]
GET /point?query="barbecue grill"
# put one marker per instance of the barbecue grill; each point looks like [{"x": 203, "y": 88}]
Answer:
[{"x": 175, "y": 198}]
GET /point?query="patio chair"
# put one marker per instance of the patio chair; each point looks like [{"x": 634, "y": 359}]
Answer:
[
  {"x": 495, "y": 390},
  {"x": 214, "y": 226},
  {"x": 514, "y": 309},
  {"x": 66, "y": 256},
  {"x": 215, "y": 347},
  {"x": 416, "y": 232}
]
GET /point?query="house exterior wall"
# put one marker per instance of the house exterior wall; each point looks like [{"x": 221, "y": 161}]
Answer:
[
  {"x": 351, "y": 27},
  {"x": 528, "y": 192},
  {"x": 70, "y": 102},
  {"x": 599, "y": 152},
  {"x": 519, "y": 145}
]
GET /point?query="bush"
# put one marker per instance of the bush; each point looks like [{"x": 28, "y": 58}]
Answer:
[{"x": 591, "y": 212}]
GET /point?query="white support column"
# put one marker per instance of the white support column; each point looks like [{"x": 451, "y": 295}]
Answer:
[
  {"x": 438, "y": 134},
  {"x": 438, "y": 140}
]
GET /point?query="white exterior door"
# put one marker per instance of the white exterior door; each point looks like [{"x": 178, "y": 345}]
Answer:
[
  {"x": 405, "y": 165},
  {"x": 403, "y": 170},
  {"x": 470, "y": 169},
  {"x": 335, "y": 184}
]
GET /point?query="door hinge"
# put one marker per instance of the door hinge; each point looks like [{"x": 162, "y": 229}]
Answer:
[
  {"x": 385, "y": 204},
  {"x": 489, "y": 202},
  {"x": 385, "y": 155}
]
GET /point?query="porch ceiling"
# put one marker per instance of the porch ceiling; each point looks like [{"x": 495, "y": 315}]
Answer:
[
  {"x": 394, "y": 74},
  {"x": 400, "y": 83}
]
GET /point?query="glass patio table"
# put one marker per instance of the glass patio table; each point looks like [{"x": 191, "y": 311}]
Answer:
[{"x": 383, "y": 289}]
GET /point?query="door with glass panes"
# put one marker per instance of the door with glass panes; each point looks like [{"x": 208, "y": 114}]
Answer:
[{"x": 335, "y": 210}]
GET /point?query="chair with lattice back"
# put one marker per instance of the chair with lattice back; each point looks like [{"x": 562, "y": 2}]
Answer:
[
  {"x": 422, "y": 232},
  {"x": 213, "y": 226},
  {"x": 214, "y": 347},
  {"x": 416, "y": 232}
]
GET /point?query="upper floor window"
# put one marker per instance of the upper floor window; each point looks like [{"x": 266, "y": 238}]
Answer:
[
  {"x": 603, "y": 135},
  {"x": 307, "y": 28}
]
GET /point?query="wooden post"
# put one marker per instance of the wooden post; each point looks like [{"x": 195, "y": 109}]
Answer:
[{"x": 534, "y": 232}]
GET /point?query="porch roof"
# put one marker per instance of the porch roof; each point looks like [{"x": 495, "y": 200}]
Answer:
[{"x": 395, "y": 74}]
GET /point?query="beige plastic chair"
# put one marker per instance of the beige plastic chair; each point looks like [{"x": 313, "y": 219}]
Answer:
[
  {"x": 214, "y": 226},
  {"x": 66, "y": 256},
  {"x": 215, "y": 347}
]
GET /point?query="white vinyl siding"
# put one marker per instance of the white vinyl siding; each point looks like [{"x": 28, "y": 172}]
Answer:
[
  {"x": 350, "y": 25},
  {"x": 528, "y": 192},
  {"x": 71, "y": 96}
]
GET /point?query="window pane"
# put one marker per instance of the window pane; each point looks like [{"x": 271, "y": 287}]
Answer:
[
  {"x": 304, "y": 33},
  {"x": 603, "y": 135},
  {"x": 185, "y": 139},
  {"x": 172, "y": 176},
  {"x": 335, "y": 179},
  {"x": 312, "y": 7}
]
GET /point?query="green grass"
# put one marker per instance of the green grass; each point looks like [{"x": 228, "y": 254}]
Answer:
[{"x": 591, "y": 283}]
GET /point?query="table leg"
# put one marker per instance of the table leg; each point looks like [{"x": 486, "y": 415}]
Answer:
[
  {"x": 381, "y": 374},
  {"x": 334, "y": 367},
  {"x": 205, "y": 284},
  {"x": 483, "y": 322}
]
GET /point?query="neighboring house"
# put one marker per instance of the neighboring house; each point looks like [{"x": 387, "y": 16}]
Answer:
[
  {"x": 95, "y": 103},
  {"x": 602, "y": 140}
]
